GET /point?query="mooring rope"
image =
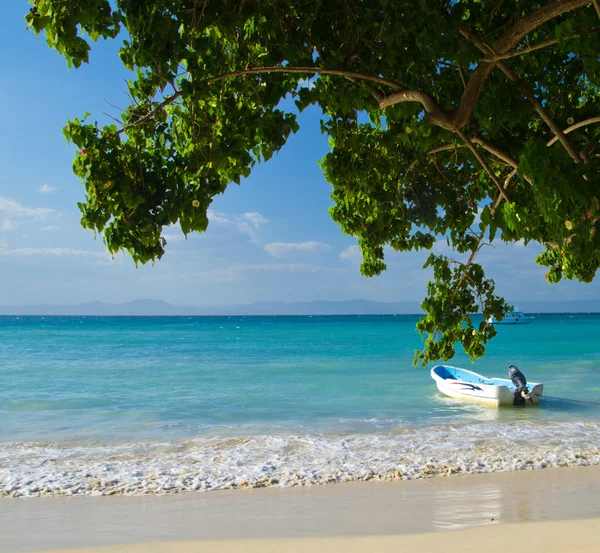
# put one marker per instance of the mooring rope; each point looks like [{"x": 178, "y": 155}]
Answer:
[{"x": 573, "y": 400}]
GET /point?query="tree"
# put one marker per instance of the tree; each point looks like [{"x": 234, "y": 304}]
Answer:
[{"x": 469, "y": 121}]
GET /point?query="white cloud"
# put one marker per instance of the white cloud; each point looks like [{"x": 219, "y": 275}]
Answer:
[
  {"x": 278, "y": 249},
  {"x": 234, "y": 272},
  {"x": 352, "y": 254},
  {"x": 288, "y": 267},
  {"x": 216, "y": 275},
  {"x": 246, "y": 228},
  {"x": 256, "y": 219},
  {"x": 169, "y": 237},
  {"x": 11, "y": 209},
  {"x": 50, "y": 228},
  {"x": 214, "y": 217},
  {"x": 45, "y": 188},
  {"x": 245, "y": 224},
  {"x": 28, "y": 252},
  {"x": 108, "y": 259},
  {"x": 441, "y": 247}
]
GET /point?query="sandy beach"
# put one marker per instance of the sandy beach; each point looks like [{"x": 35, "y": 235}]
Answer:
[
  {"x": 579, "y": 536},
  {"x": 550, "y": 510}
]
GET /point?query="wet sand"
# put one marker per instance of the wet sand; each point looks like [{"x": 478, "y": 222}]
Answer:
[
  {"x": 517, "y": 510},
  {"x": 579, "y": 536}
]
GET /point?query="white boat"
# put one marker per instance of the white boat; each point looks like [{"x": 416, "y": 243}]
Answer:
[
  {"x": 514, "y": 317},
  {"x": 468, "y": 385}
]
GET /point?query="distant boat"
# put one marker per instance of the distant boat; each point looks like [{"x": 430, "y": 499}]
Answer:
[
  {"x": 514, "y": 317},
  {"x": 468, "y": 385}
]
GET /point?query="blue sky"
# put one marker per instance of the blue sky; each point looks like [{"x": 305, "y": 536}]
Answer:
[{"x": 269, "y": 239}]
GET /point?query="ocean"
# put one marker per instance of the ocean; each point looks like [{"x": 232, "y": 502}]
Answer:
[{"x": 112, "y": 405}]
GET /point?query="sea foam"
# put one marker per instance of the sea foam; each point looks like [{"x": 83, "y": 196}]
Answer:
[{"x": 40, "y": 469}]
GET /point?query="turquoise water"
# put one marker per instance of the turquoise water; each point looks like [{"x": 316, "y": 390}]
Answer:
[
  {"x": 125, "y": 378},
  {"x": 128, "y": 382}
]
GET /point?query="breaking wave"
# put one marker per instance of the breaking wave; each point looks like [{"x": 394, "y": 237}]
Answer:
[{"x": 214, "y": 463}]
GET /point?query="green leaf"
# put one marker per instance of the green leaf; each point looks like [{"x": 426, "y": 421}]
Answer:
[{"x": 206, "y": 105}]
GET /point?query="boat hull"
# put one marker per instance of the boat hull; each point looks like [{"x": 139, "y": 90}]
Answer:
[
  {"x": 514, "y": 317},
  {"x": 521, "y": 322},
  {"x": 470, "y": 386}
]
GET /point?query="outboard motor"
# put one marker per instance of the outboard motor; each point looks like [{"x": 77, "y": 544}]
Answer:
[{"x": 520, "y": 382}]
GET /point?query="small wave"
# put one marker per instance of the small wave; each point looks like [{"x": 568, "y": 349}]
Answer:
[
  {"x": 202, "y": 464},
  {"x": 53, "y": 405}
]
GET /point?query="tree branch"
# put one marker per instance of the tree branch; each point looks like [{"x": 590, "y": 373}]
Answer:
[
  {"x": 542, "y": 112},
  {"x": 597, "y": 6},
  {"x": 484, "y": 164},
  {"x": 460, "y": 117},
  {"x": 509, "y": 160},
  {"x": 486, "y": 145},
  {"x": 487, "y": 49},
  {"x": 474, "y": 252},
  {"x": 304, "y": 70},
  {"x": 504, "y": 157},
  {"x": 375, "y": 93},
  {"x": 411, "y": 166},
  {"x": 202, "y": 12},
  {"x": 534, "y": 20},
  {"x": 496, "y": 151},
  {"x": 435, "y": 113},
  {"x": 506, "y": 183},
  {"x": 462, "y": 76},
  {"x": 584, "y": 123},
  {"x": 532, "y": 48},
  {"x": 259, "y": 70},
  {"x": 152, "y": 113},
  {"x": 442, "y": 148}
]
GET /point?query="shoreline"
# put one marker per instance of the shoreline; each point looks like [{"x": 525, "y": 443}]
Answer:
[
  {"x": 378, "y": 515},
  {"x": 285, "y": 461}
]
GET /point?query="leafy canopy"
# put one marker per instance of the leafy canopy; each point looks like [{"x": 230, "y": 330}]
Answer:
[{"x": 465, "y": 121}]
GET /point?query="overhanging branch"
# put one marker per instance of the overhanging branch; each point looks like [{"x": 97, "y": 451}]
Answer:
[
  {"x": 484, "y": 164},
  {"x": 302, "y": 70},
  {"x": 152, "y": 113},
  {"x": 435, "y": 113},
  {"x": 485, "y": 145},
  {"x": 443, "y": 148},
  {"x": 584, "y": 123},
  {"x": 489, "y": 50},
  {"x": 460, "y": 117},
  {"x": 496, "y": 151},
  {"x": 532, "y": 48},
  {"x": 474, "y": 253},
  {"x": 278, "y": 69}
]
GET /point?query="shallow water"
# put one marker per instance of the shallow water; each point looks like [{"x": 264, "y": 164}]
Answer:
[{"x": 100, "y": 404}]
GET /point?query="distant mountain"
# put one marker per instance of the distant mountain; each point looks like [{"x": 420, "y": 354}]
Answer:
[
  {"x": 562, "y": 306},
  {"x": 149, "y": 307},
  {"x": 97, "y": 308},
  {"x": 162, "y": 308},
  {"x": 350, "y": 307}
]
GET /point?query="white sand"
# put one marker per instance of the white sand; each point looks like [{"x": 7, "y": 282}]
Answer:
[
  {"x": 574, "y": 536},
  {"x": 372, "y": 516}
]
